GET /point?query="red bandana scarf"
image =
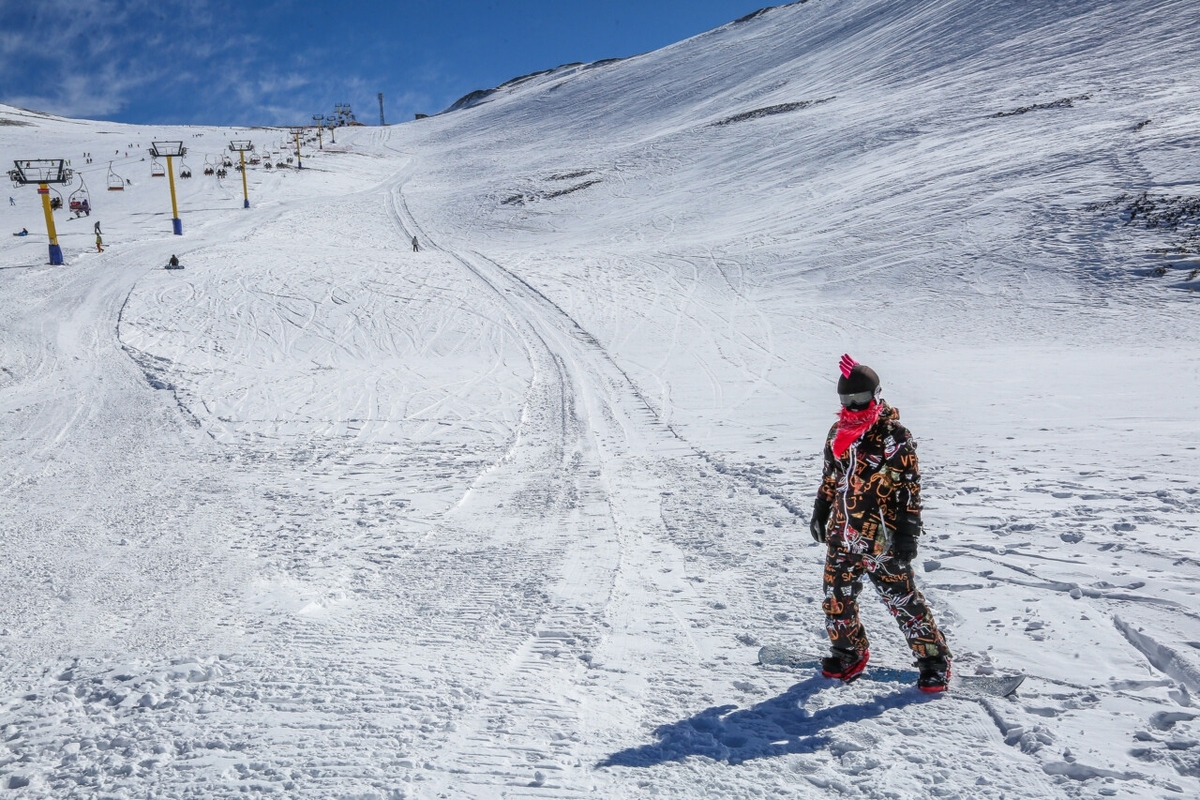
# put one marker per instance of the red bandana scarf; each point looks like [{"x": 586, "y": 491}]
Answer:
[{"x": 852, "y": 425}]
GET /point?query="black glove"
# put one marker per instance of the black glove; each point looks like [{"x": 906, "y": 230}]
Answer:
[
  {"x": 820, "y": 518},
  {"x": 904, "y": 538}
]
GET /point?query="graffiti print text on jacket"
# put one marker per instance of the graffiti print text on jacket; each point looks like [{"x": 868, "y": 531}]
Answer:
[{"x": 875, "y": 480}]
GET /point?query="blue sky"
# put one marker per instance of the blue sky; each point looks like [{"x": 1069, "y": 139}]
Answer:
[{"x": 278, "y": 62}]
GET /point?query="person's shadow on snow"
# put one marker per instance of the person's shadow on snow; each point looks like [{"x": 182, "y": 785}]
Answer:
[{"x": 775, "y": 727}]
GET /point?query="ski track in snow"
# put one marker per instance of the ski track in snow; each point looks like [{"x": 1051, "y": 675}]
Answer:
[{"x": 318, "y": 516}]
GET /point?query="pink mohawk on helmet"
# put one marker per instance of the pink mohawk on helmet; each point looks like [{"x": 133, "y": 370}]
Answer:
[{"x": 846, "y": 364}]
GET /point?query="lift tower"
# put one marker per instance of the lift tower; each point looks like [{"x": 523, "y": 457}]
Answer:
[
  {"x": 171, "y": 150},
  {"x": 241, "y": 147},
  {"x": 43, "y": 172}
]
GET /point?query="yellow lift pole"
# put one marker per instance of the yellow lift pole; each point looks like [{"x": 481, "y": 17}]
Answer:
[
  {"x": 240, "y": 146},
  {"x": 167, "y": 150},
  {"x": 245, "y": 186},
  {"x": 174, "y": 204},
  {"x": 55, "y": 251}
]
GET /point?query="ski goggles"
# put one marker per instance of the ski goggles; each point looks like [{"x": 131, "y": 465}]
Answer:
[{"x": 857, "y": 401}]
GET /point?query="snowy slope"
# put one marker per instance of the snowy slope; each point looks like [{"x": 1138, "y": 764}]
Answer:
[{"x": 320, "y": 516}]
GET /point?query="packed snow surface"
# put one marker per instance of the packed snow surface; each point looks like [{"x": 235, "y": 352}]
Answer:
[{"x": 319, "y": 516}]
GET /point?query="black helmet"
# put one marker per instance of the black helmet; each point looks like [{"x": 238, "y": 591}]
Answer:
[
  {"x": 861, "y": 379},
  {"x": 858, "y": 386}
]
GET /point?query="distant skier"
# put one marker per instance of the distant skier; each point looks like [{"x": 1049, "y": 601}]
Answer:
[
  {"x": 868, "y": 510},
  {"x": 99, "y": 244},
  {"x": 11, "y": 202},
  {"x": 96, "y": 227},
  {"x": 415, "y": 248}
]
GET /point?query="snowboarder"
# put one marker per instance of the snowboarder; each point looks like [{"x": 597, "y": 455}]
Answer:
[
  {"x": 173, "y": 262},
  {"x": 99, "y": 244},
  {"x": 868, "y": 512},
  {"x": 415, "y": 248},
  {"x": 23, "y": 232}
]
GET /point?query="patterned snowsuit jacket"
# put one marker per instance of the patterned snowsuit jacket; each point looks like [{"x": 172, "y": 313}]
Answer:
[{"x": 870, "y": 485}]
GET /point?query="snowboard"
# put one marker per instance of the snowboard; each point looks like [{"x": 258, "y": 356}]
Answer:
[{"x": 966, "y": 685}]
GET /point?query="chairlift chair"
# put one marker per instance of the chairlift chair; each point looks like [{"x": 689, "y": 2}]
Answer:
[
  {"x": 79, "y": 201},
  {"x": 184, "y": 170},
  {"x": 156, "y": 169},
  {"x": 115, "y": 182},
  {"x": 56, "y": 201}
]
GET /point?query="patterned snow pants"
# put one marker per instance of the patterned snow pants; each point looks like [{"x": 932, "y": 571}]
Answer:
[{"x": 897, "y": 589}]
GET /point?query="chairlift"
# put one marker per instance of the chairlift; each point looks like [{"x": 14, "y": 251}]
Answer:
[
  {"x": 56, "y": 202},
  {"x": 267, "y": 165},
  {"x": 115, "y": 182},
  {"x": 280, "y": 165},
  {"x": 227, "y": 162},
  {"x": 184, "y": 170},
  {"x": 156, "y": 168},
  {"x": 80, "y": 201}
]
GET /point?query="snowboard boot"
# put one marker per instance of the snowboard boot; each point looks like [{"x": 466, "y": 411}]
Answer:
[
  {"x": 935, "y": 674},
  {"x": 846, "y": 665}
]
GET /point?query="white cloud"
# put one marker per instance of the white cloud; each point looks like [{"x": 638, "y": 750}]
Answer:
[
  {"x": 95, "y": 58},
  {"x": 207, "y": 61}
]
